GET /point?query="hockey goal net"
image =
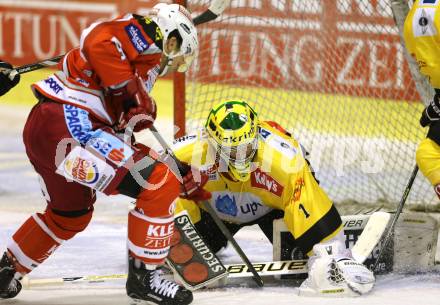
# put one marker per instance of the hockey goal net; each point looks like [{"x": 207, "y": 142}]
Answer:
[{"x": 334, "y": 73}]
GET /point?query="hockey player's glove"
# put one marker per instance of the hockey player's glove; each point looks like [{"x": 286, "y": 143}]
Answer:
[
  {"x": 9, "y": 78},
  {"x": 431, "y": 113},
  {"x": 192, "y": 184},
  {"x": 132, "y": 105}
]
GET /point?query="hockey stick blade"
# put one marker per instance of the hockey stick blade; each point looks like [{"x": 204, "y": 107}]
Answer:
[
  {"x": 240, "y": 270},
  {"x": 371, "y": 235}
]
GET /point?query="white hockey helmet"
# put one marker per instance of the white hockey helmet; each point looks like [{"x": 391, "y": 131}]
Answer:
[{"x": 170, "y": 17}]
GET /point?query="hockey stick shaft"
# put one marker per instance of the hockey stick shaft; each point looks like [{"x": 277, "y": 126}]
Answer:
[
  {"x": 234, "y": 243},
  {"x": 39, "y": 65},
  {"x": 234, "y": 271},
  {"x": 399, "y": 210},
  {"x": 215, "y": 9},
  {"x": 214, "y": 215}
]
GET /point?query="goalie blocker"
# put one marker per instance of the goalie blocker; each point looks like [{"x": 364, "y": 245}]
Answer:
[{"x": 193, "y": 263}]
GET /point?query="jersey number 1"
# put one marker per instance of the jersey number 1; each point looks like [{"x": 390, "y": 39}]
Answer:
[{"x": 302, "y": 208}]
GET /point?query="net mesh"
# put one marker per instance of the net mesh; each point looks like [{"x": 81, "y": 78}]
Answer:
[{"x": 333, "y": 73}]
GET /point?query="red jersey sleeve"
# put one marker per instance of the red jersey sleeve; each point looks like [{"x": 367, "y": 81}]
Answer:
[{"x": 111, "y": 48}]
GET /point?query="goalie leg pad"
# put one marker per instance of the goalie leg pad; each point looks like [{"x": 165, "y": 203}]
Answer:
[
  {"x": 41, "y": 234},
  {"x": 333, "y": 272}
]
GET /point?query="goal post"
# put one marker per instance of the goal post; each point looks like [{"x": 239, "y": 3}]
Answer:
[
  {"x": 179, "y": 95},
  {"x": 334, "y": 73}
]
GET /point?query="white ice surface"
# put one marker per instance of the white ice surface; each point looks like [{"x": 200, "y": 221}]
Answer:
[{"x": 101, "y": 249}]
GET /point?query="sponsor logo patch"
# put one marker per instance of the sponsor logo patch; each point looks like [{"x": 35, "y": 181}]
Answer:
[
  {"x": 83, "y": 167},
  {"x": 159, "y": 230},
  {"x": 82, "y": 170},
  {"x": 226, "y": 204},
  {"x": 263, "y": 181},
  {"x": 185, "y": 139},
  {"x": 53, "y": 85},
  {"x": 78, "y": 123},
  {"x": 423, "y": 22},
  {"x": 263, "y": 132},
  {"x": 299, "y": 183},
  {"x": 137, "y": 39},
  {"x": 238, "y": 207},
  {"x": 250, "y": 208},
  {"x": 110, "y": 147}
]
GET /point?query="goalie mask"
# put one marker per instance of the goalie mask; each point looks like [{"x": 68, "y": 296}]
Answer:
[{"x": 232, "y": 130}]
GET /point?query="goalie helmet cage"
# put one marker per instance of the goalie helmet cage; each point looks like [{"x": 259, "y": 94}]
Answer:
[{"x": 332, "y": 72}]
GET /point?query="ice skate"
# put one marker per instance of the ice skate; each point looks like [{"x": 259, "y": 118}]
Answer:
[
  {"x": 9, "y": 285},
  {"x": 148, "y": 287}
]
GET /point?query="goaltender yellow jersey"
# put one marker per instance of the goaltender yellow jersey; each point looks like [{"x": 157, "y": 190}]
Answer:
[
  {"x": 281, "y": 179},
  {"x": 422, "y": 38}
]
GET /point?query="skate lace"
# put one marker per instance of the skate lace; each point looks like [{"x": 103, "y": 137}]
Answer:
[{"x": 163, "y": 286}]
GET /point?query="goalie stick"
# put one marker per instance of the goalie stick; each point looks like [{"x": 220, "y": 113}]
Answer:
[
  {"x": 169, "y": 153},
  {"x": 390, "y": 231},
  {"x": 369, "y": 237},
  {"x": 215, "y": 9},
  {"x": 235, "y": 271}
]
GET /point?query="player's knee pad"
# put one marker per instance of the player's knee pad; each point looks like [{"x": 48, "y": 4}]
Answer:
[
  {"x": 158, "y": 198},
  {"x": 42, "y": 234},
  {"x": 149, "y": 237}
]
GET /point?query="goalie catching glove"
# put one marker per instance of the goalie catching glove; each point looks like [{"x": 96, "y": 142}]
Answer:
[
  {"x": 133, "y": 106},
  {"x": 334, "y": 272}
]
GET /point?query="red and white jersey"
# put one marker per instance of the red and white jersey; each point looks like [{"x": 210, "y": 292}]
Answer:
[{"x": 110, "y": 53}]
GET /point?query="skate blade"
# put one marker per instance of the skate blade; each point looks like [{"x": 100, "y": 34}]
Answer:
[
  {"x": 140, "y": 302},
  {"x": 135, "y": 301}
]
